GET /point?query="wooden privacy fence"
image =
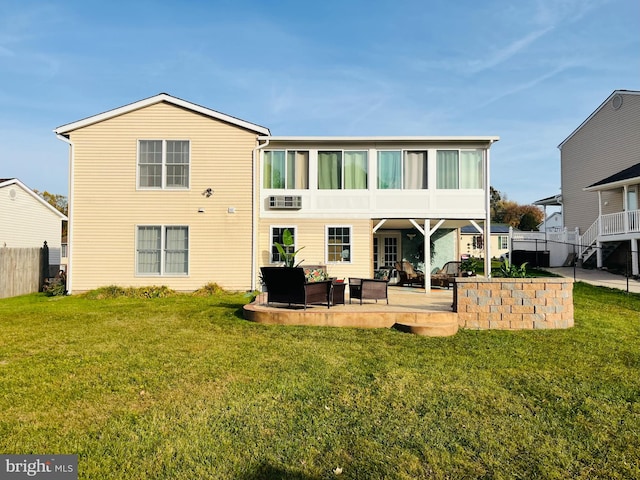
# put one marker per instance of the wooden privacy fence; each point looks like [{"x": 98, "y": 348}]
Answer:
[{"x": 23, "y": 270}]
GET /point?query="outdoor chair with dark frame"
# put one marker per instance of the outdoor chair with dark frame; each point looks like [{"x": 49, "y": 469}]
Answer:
[
  {"x": 289, "y": 285},
  {"x": 368, "y": 289}
]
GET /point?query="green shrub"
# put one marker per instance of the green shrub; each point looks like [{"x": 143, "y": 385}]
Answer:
[
  {"x": 115, "y": 291},
  {"x": 55, "y": 287},
  {"x": 508, "y": 270},
  {"x": 209, "y": 290}
]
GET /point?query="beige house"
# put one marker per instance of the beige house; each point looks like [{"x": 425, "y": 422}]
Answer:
[
  {"x": 600, "y": 167},
  {"x": 471, "y": 241},
  {"x": 163, "y": 191}
]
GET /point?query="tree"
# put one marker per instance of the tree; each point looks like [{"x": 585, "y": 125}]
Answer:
[
  {"x": 57, "y": 201},
  {"x": 523, "y": 217}
]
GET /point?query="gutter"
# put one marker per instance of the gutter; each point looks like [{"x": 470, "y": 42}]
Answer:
[
  {"x": 70, "y": 224},
  {"x": 255, "y": 210}
]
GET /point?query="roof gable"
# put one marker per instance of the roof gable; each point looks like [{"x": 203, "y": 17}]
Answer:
[
  {"x": 162, "y": 97},
  {"x": 602, "y": 105},
  {"x": 630, "y": 173},
  {"x": 4, "y": 183}
]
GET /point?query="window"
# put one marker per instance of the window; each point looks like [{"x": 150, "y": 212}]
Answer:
[
  {"x": 276, "y": 237},
  {"x": 338, "y": 244},
  {"x": 503, "y": 242},
  {"x": 459, "y": 169},
  {"x": 339, "y": 170},
  {"x": 162, "y": 250},
  {"x": 286, "y": 169},
  {"x": 163, "y": 163},
  {"x": 477, "y": 242},
  {"x": 406, "y": 170}
]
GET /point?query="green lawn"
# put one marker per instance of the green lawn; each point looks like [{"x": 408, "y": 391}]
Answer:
[{"x": 183, "y": 388}]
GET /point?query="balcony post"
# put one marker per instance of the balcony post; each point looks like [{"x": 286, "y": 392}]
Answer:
[{"x": 634, "y": 257}]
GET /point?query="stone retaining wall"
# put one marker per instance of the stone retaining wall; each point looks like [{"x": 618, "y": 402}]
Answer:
[{"x": 513, "y": 303}]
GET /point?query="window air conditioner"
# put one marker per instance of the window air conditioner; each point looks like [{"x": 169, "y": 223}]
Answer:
[{"x": 285, "y": 202}]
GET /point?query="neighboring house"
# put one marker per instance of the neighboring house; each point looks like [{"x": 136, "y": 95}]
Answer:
[
  {"x": 600, "y": 167},
  {"x": 552, "y": 224},
  {"x": 163, "y": 191},
  {"x": 472, "y": 241},
  {"x": 27, "y": 221}
]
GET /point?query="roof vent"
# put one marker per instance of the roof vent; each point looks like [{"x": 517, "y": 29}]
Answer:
[{"x": 616, "y": 102}]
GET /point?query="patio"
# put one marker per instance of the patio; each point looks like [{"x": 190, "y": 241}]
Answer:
[{"x": 409, "y": 310}]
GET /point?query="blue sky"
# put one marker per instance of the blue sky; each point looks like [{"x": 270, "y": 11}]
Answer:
[{"x": 527, "y": 71}]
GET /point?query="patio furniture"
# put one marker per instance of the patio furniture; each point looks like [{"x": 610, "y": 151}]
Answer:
[
  {"x": 337, "y": 292},
  {"x": 445, "y": 276},
  {"x": 368, "y": 289},
  {"x": 290, "y": 285},
  {"x": 408, "y": 275}
]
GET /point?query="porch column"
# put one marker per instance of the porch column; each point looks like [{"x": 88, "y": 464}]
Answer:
[
  {"x": 634, "y": 257},
  {"x": 427, "y": 256},
  {"x": 599, "y": 254}
]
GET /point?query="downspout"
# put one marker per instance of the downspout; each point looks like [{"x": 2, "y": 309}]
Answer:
[
  {"x": 70, "y": 222},
  {"x": 254, "y": 214},
  {"x": 487, "y": 221}
]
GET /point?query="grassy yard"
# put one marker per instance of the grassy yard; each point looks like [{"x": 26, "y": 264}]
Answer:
[{"x": 183, "y": 388}]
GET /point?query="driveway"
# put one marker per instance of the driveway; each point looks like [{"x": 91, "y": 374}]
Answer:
[{"x": 598, "y": 277}]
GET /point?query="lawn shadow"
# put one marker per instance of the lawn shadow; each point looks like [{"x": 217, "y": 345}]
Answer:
[{"x": 266, "y": 471}]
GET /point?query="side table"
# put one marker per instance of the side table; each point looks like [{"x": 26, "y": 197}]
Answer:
[{"x": 337, "y": 293}]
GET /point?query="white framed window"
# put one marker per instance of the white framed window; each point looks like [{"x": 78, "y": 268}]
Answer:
[
  {"x": 162, "y": 250},
  {"x": 163, "y": 164},
  {"x": 503, "y": 242},
  {"x": 343, "y": 170},
  {"x": 277, "y": 237},
  {"x": 338, "y": 243},
  {"x": 459, "y": 169},
  {"x": 402, "y": 169},
  {"x": 286, "y": 169}
]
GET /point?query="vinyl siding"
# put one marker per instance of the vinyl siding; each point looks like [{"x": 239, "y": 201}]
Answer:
[
  {"x": 607, "y": 143},
  {"x": 27, "y": 223},
  {"x": 108, "y": 207},
  {"x": 311, "y": 234}
]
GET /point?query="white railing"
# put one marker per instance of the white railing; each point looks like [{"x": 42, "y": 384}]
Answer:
[
  {"x": 633, "y": 221},
  {"x": 612, "y": 223},
  {"x": 588, "y": 238}
]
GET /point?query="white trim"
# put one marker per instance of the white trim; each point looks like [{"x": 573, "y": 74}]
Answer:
[
  {"x": 15, "y": 181},
  {"x": 386, "y": 139},
  {"x": 162, "y": 97}
]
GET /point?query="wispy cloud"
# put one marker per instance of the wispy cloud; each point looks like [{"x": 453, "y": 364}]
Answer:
[{"x": 505, "y": 53}]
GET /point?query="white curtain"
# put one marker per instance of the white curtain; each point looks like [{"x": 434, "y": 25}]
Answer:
[
  {"x": 415, "y": 170},
  {"x": 471, "y": 169},
  {"x": 297, "y": 170},
  {"x": 149, "y": 247},
  {"x": 177, "y": 250}
]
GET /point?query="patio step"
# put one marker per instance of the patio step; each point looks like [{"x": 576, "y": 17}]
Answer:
[{"x": 436, "y": 325}]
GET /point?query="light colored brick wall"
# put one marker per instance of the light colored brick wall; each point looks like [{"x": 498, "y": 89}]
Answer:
[{"x": 513, "y": 303}]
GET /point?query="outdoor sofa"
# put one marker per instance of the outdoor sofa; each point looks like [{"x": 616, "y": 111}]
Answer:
[{"x": 291, "y": 286}]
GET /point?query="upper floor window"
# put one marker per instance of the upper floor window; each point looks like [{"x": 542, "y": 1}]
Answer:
[
  {"x": 402, "y": 169},
  {"x": 339, "y": 170},
  {"x": 459, "y": 169},
  {"x": 163, "y": 163},
  {"x": 162, "y": 250},
  {"x": 286, "y": 169}
]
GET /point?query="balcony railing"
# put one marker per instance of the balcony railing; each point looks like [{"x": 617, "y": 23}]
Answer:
[{"x": 620, "y": 223}]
